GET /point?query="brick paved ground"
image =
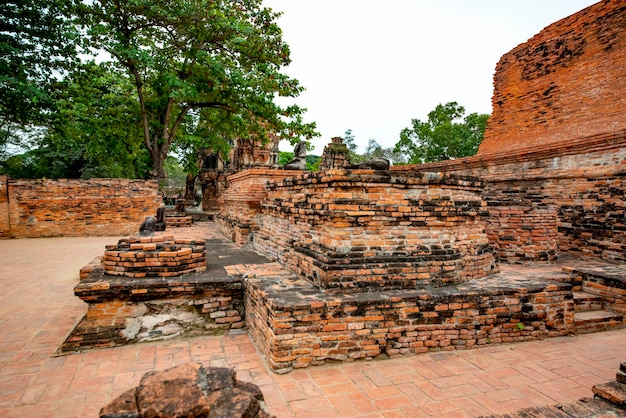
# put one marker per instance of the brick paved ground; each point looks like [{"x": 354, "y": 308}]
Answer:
[{"x": 38, "y": 309}]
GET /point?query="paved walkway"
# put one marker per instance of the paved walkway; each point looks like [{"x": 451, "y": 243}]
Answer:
[{"x": 38, "y": 309}]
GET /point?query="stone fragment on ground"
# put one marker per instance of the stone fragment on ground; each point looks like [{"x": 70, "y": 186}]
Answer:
[{"x": 189, "y": 390}]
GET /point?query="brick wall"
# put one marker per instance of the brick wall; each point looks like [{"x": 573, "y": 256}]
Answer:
[
  {"x": 240, "y": 204},
  {"x": 69, "y": 207},
  {"x": 4, "y": 208},
  {"x": 568, "y": 81},
  {"x": 582, "y": 181},
  {"x": 297, "y": 326},
  {"x": 364, "y": 230},
  {"x": 522, "y": 232}
]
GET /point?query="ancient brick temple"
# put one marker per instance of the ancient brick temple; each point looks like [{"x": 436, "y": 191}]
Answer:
[
  {"x": 525, "y": 240},
  {"x": 403, "y": 261},
  {"x": 245, "y": 153}
]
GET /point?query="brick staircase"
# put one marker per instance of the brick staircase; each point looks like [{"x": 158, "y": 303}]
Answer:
[
  {"x": 599, "y": 291},
  {"x": 590, "y": 314}
]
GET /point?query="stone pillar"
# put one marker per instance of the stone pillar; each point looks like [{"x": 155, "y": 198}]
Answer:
[{"x": 336, "y": 155}]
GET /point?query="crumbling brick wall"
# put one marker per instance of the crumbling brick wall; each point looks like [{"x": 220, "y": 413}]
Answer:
[
  {"x": 240, "y": 204},
  {"x": 71, "y": 207},
  {"x": 359, "y": 230},
  {"x": 583, "y": 181},
  {"x": 568, "y": 81},
  {"x": 4, "y": 207}
]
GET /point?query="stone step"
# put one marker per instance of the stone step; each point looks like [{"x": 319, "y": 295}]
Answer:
[
  {"x": 613, "y": 392},
  {"x": 585, "y": 302},
  {"x": 594, "y": 321},
  {"x": 621, "y": 374},
  {"x": 584, "y": 408}
]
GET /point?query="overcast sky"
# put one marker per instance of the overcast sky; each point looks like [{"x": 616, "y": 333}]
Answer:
[{"x": 373, "y": 65}]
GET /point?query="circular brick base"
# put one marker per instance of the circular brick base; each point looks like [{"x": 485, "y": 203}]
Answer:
[{"x": 154, "y": 257}]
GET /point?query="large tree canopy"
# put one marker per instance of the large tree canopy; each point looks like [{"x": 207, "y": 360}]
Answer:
[
  {"x": 94, "y": 130},
  {"x": 198, "y": 60},
  {"x": 37, "y": 43},
  {"x": 447, "y": 134}
]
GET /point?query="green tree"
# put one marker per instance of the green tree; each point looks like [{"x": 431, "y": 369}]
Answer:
[
  {"x": 447, "y": 134},
  {"x": 350, "y": 141},
  {"x": 94, "y": 131},
  {"x": 375, "y": 150},
  {"x": 186, "y": 57},
  {"x": 37, "y": 44}
]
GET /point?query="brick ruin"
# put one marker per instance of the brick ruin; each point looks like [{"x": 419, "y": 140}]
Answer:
[
  {"x": 246, "y": 153},
  {"x": 363, "y": 231},
  {"x": 394, "y": 263},
  {"x": 240, "y": 205},
  {"x": 450, "y": 255},
  {"x": 155, "y": 288},
  {"x": 566, "y": 82},
  {"x": 566, "y": 199},
  {"x": 154, "y": 257},
  {"x": 71, "y": 207}
]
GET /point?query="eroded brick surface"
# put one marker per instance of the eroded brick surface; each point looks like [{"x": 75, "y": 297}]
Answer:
[
  {"x": 583, "y": 184},
  {"x": 566, "y": 82},
  {"x": 297, "y": 325},
  {"x": 363, "y": 230},
  {"x": 72, "y": 207}
]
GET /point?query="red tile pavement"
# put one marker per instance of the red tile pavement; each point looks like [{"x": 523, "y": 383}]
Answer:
[{"x": 38, "y": 309}]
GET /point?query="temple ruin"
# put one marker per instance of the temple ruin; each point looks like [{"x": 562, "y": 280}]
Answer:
[{"x": 345, "y": 264}]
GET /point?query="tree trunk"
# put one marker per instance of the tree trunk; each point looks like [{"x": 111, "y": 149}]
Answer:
[{"x": 158, "y": 160}]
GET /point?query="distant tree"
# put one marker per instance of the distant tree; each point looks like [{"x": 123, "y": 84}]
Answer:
[
  {"x": 447, "y": 134},
  {"x": 375, "y": 150},
  {"x": 350, "y": 141},
  {"x": 313, "y": 162},
  {"x": 284, "y": 157},
  {"x": 37, "y": 44},
  {"x": 186, "y": 58}
]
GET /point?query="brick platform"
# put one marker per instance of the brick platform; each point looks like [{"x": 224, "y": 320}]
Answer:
[
  {"x": 154, "y": 257},
  {"x": 367, "y": 230},
  {"x": 123, "y": 310},
  {"x": 297, "y": 325},
  {"x": 178, "y": 221}
]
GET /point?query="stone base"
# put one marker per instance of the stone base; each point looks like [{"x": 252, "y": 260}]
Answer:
[
  {"x": 123, "y": 310},
  {"x": 297, "y": 325}
]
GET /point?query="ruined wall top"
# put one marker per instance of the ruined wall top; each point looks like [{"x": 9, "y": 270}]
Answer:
[
  {"x": 253, "y": 152},
  {"x": 567, "y": 82}
]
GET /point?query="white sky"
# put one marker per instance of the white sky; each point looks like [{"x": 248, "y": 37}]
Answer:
[{"x": 373, "y": 65}]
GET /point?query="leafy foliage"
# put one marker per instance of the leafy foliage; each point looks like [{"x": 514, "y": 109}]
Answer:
[
  {"x": 95, "y": 130},
  {"x": 37, "y": 43},
  {"x": 199, "y": 66},
  {"x": 447, "y": 134}
]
